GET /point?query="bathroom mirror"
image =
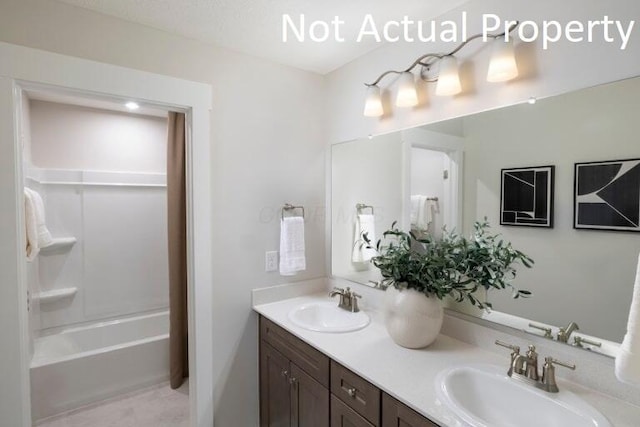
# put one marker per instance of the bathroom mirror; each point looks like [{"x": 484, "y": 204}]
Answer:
[
  {"x": 367, "y": 178},
  {"x": 584, "y": 275}
]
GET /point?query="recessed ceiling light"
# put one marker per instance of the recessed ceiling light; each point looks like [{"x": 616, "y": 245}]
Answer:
[
  {"x": 132, "y": 105},
  {"x": 532, "y": 100}
]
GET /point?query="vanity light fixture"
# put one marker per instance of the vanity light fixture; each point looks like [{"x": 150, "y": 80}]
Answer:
[
  {"x": 407, "y": 95},
  {"x": 502, "y": 67},
  {"x": 132, "y": 105},
  {"x": 448, "y": 79},
  {"x": 373, "y": 102}
]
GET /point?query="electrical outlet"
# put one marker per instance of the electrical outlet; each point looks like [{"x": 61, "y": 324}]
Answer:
[{"x": 271, "y": 261}]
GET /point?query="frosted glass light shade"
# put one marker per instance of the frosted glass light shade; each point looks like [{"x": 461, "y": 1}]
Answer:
[
  {"x": 502, "y": 66},
  {"x": 373, "y": 102},
  {"x": 407, "y": 96},
  {"x": 448, "y": 77}
]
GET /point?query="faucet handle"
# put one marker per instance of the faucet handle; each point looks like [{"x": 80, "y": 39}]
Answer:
[
  {"x": 517, "y": 360},
  {"x": 578, "y": 341},
  {"x": 547, "y": 331},
  {"x": 549, "y": 374},
  {"x": 551, "y": 360},
  {"x": 514, "y": 348}
]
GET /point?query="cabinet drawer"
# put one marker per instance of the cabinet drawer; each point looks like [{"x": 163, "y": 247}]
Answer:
[
  {"x": 302, "y": 354},
  {"x": 343, "y": 416},
  {"x": 396, "y": 414},
  {"x": 357, "y": 393}
]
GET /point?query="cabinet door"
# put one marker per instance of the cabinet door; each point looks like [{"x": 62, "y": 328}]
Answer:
[
  {"x": 309, "y": 400},
  {"x": 395, "y": 414},
  {"x": 312, "y": 361},
  {"x": 275, "y": 390},
  {"x": 343, "y": 416}
]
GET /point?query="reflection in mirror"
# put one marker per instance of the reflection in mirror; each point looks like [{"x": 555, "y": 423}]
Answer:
[
  {"x": 365, "y": 172},
  {"x": 582, "y": 276}
]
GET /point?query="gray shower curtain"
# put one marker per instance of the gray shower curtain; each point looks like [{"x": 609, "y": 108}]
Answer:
[{"x": 177, "y": 224}]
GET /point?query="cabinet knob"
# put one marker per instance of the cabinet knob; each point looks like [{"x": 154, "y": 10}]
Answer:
[
  {"x": 293, "y": 380},
  {"x": 284, "y": 373},
  {"x": 352, "y": 392}
]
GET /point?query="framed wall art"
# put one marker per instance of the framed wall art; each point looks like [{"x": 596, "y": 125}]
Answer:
[
  {"x": 526, "y": 196},
  {"x": 607, "y": 195}
]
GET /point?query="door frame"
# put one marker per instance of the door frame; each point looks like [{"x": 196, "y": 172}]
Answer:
[
  {"x": 24, "y": 68},
  {"x": 453, "y": 147}
]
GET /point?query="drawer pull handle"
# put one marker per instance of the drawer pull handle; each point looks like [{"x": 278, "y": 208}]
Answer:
[
  {"x": 352, "y": 392},
  {"x": 284, "y": 373}
]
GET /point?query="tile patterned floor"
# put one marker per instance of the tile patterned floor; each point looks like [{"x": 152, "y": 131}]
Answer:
[{"x": 154, "y": 407}]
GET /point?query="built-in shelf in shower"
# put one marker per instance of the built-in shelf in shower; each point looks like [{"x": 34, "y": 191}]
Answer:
[
  {"x": 60, "y": 244},
  {"x": 54, "y": 295}
]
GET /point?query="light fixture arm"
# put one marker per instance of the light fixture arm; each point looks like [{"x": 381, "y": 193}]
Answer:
[{"x": 438, "y": 56}]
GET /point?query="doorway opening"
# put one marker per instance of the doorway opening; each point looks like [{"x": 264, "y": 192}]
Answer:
[{"x": 95, "y": 173}]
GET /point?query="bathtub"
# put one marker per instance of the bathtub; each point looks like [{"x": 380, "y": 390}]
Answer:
[{"x": 82, "y": 365}]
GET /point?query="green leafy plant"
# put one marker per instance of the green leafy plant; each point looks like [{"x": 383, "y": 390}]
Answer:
[{"x": 452, "y": 266}]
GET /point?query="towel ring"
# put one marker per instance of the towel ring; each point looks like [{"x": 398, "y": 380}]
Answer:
[
  {"x": 290, "y": 207},
  {"x": 362, "y": 206}
]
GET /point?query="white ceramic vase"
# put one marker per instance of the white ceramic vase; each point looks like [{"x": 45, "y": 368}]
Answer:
[{"x": 413, "y": 320}]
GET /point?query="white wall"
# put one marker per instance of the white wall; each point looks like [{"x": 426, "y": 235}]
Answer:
[
  {"x": 74, "y": 137},
  {"x": 577, "y": 273},
  {"x": 268, "y": 147}
]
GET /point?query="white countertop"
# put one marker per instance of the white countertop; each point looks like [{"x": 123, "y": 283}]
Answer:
[{"x": 408, "y": 375}]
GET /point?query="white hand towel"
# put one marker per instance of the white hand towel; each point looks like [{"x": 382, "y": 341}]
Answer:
[
  {"x": 628, "y": 358},
  {"x": 31, "y": 226},
  {"x": 363, "y": 224},
  {"x": 416, "y": 201},
  {"x": 292, "y": 256},
  {"x": 430, "y": 208},
  {"x": 44, "y": 236},
  {"x": 421, "y": 215}
]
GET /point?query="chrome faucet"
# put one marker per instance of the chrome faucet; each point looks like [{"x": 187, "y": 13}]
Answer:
[
  {"x": 565, "y": 333},
  {"x": 348, "y": 299},
  {"x": 525, "y": 368}
]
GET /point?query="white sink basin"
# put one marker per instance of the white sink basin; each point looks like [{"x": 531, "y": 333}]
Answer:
[
  {"x": 327, "y": 317},
  {"x": 484, "y": 396}
]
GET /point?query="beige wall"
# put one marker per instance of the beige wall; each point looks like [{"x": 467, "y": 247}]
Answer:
[{"x": 267, "y": 148}]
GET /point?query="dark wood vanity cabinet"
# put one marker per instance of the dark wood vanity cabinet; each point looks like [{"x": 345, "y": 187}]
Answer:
[
  {"x": 397, "y": 414},
  {"x": 294, "y": 380},
  {"x": 301, "y": 387},
  {"x": 344, "y": 416}
]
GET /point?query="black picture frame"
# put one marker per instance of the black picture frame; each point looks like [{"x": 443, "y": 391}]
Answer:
[
  {"x": 526, "y": 196},
  {"x": 606, "y": 195}
]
